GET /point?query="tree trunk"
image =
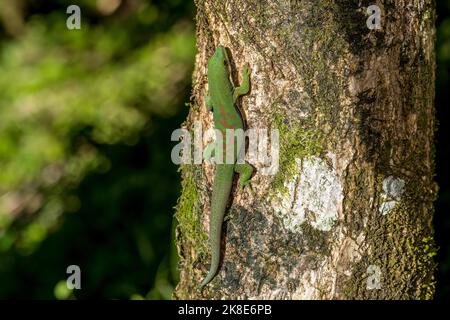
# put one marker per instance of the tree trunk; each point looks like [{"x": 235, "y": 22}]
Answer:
[{"x": 349, "y": 213}]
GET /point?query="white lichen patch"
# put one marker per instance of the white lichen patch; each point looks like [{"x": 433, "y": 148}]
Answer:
[
  {"x": 393, "y": 189},
  {"x": 314, "y": 195}
]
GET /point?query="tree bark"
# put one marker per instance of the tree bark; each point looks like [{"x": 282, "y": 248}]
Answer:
[{"x": 349, "y": 213}]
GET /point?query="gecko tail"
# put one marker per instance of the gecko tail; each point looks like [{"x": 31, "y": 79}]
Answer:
[
  {"x": 215, "y": 246},
  {"x": 221, "y": 192},
  {"x": 208, "y": 278},
  {"x": 214, "y": 265}
]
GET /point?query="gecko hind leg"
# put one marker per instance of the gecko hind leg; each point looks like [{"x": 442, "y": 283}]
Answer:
[{"x": 245, "y": 171}]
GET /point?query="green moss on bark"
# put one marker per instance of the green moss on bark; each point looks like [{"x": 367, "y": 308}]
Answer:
[
  {"x": 402, "y": 246},
  {"x": 296, "y": 143},
  {"x": 188, "y": 212}
]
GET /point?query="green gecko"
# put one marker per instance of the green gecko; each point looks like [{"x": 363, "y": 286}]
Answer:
[{"x": 221, "y": 100}]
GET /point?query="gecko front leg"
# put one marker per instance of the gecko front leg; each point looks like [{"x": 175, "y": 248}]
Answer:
[
  {"x": 245, "y": 171},
  {"x": 245, "y": 84}
]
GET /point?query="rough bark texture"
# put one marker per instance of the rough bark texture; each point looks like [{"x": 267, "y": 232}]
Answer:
[{"x": 349, "y": 213}]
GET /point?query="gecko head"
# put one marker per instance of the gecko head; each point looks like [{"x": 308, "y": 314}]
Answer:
[{"x": 221, "y": 54}]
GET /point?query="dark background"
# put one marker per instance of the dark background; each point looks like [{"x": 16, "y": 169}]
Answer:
[{"x": 85, "y": 122}]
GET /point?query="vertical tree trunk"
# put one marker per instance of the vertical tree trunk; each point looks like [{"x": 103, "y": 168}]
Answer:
[{"x": 348, "y": 215}]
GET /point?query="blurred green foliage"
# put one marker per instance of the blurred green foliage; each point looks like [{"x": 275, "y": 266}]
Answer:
[
  {"x": 85, "y": 171},
  {"x": 85, "y": 123}
]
